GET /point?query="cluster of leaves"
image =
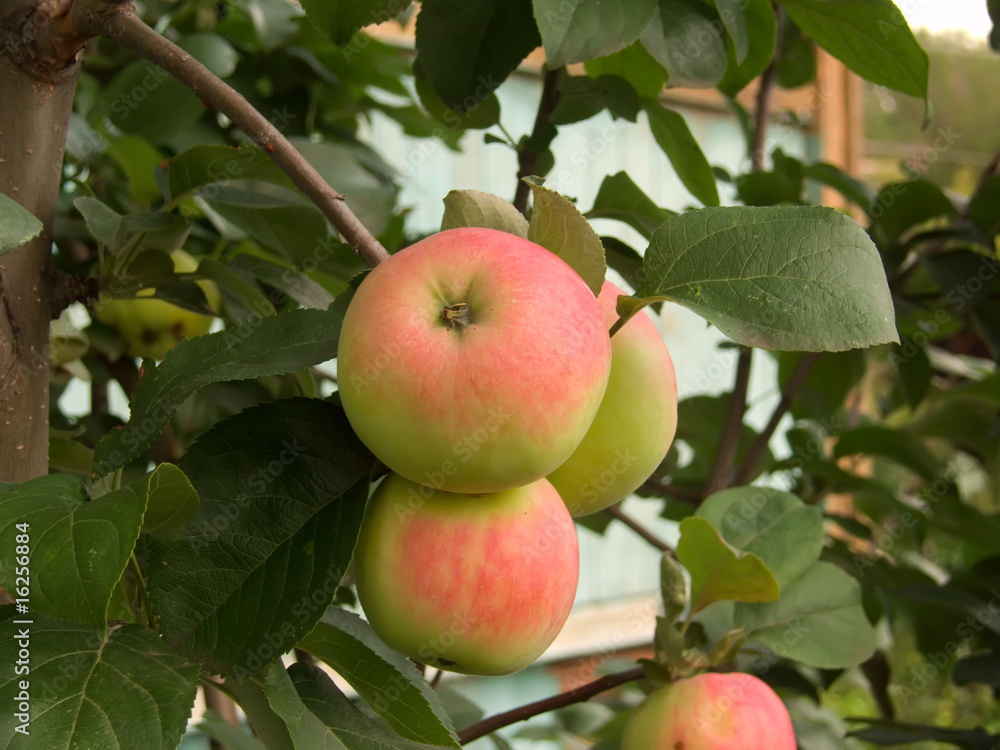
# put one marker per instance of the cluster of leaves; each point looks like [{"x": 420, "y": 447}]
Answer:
[{"x": 150, "y": 577}]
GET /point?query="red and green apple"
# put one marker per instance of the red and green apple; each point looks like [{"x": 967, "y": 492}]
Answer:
[
  {"x": 474, "y": 584},
  {"x": 635, "y": 424},
  {"x": 473, "y": 361}
]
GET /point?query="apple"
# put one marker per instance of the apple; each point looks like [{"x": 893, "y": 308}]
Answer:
[
  {"x": 473, "y": 361},
  {"x": 472, "y": 584},
  {"x": 152, "y": 327},
  {"x": 711, "y": 711},
  {"x": 635, "y": 424}
]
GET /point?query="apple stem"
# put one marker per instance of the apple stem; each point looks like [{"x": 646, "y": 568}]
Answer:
[{"x": 457, "y": 315}]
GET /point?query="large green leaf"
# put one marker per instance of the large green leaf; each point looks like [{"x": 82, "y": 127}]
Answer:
[
  {"x": 76, "y": 549},
  {"x": 578, "y": 31},
  {"x": 317, "y": 715},
  {"x": 818, "y": 620},
  {"x": 264, "y": 346},
  {"x": 386, "y": 680},
  {"x": 717, "y": 572},
  {"x": 339, "y": 19},
  {"x": 674, "y": 137},
  {"x": 283, "y": 487},
  {"x": 467, "y": 48},
  {"x": 871, "y": 37},
  {"x": 776, "y": 526},
  {"x": 122, "y": 691},
  {"x": 785, "y": 277},
  {"x": 557, "y": 225},
  {"x": 17, "y": 225},
  {"x": 685, "y": 37}
]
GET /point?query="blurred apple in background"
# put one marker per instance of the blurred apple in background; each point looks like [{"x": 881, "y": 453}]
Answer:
[{"x": 152, "y": 327}]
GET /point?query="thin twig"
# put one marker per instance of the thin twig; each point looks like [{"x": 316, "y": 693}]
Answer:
[
  {"x": 577, "y": 695},
  {"x": 120, "y": 23},
  {"x": 617, "y": 513},
  {"x": 788, "y": 394},
  {"x": 528, "y": 154},
  {"x": 762, "y": 113},
  {"x": 733, "y": 427}
]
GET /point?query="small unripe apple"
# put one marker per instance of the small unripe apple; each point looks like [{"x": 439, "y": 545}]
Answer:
[
  {"x": 635, "y": 424},
  {"x": 479, "y": 584},
  {"x": 152, "y": 327},
  {"x": 711, "y": 711},
  {"x": 473, "y": 361}
]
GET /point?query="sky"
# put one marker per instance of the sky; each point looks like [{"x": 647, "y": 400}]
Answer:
[{"x": 941, "y": 15}]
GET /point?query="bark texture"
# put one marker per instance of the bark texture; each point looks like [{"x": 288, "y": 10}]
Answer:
[{"x": 37, "y": 79}]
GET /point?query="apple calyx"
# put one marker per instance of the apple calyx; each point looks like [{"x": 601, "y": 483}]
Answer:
[{"x": 458, "y": 316}]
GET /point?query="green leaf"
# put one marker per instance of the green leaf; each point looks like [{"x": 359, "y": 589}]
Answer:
[
  {"x": 818, "y": 620},
  {"x": 139, "y": 161},
  {"x": 296, "y": 285},
  {"x": 787, "y": 277},
  {"x": 830, "y": 380},
  {"x": 128, "y": 235},
  {"x": 900, "y": 206},
  {"x": 761, "y": 30},
  {"x": 673, "y": 588},
  {"x": 871, "y": 37},
  {"x": 685, "y": 37},
  {"x": 584, "y": 29},
  {"x": 340, "y": 19},
  {"x": 201, "y": 166},
  {"x": 855, "y": 190},
  {"x": 890, "y": 732},
  {"x": 77, "y": 548},
  {"x": 557, "y": 225},
  {"x": 635, "y": 65},
  {"x": 272, "y": 537},
  {"x": 230, "y": 737},
  {"x": 903, "y": 447},
  {"x": 582, "y": 97},
  {"x": 795, "y": 59},
  {"x": 473, "y": 208},
  {"x": 734, "y": 18},
  {"x": 122, "y": 691},
  {"x": 171, "y": 501},
  {"x": 467, "y": 48},
  {"x": 717, "y": 572},
  {"x": 265, "y": 346},
  {"x": 386, "y": 680},
  {"x": 674, "y": 137},
  {"x": 620, "y": 198},
  {"x": 774, "y": 525},
  {"x": 483, "y": 113},
  {"x": 147, "y": 101},
  {"x": 318, "y": 715},
  {"x": 17, "y": 225}
]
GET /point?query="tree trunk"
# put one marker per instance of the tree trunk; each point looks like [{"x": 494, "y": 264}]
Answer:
[{"x": 37, "y": 82}]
